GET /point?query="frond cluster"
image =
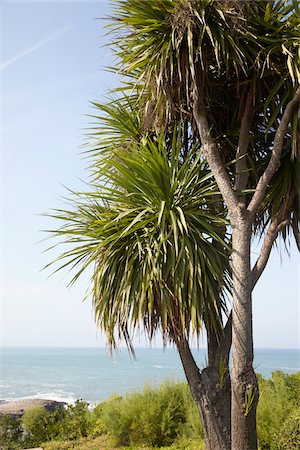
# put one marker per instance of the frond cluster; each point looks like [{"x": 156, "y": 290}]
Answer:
[
  {"x": 158, "y": 248},
  {"x": 224, "y": 47}
]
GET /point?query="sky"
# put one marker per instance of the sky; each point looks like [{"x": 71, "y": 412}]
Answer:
[{"x": 52, "y": 65}]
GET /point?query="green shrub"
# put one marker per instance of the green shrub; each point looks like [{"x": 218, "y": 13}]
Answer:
[
  {"x": 41, "y": 425},
  {"x": 35, "y": 425},
  {"x": 71, "y": 423},
  {"x": 278, "y": 398},
  {"x": 76, "y": 422},
  {"x": 153, "y": 417},
  {"x": 192, "y": 428},
  {"x": 293, "y": 385},
  {"x": 288, "y": 436},
  {"x": 10, "y": 432}
]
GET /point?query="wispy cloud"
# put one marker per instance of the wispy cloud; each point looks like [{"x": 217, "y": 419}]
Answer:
[{"x": 56, "y": 34}]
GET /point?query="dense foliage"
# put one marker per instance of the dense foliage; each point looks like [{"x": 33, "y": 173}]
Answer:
[
  {"x": 147, "y": 226},
  {"x": 10, "y": 432},
  {"x": 278, "y": 410},
  {"x": 155, "y": 417}
]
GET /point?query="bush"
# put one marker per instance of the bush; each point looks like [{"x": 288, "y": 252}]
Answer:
[
  {"x": 278, "y": 398},
  {"x": 153, "y": 417},
  {"x": 293, "y": 386},
  {"x": 41, "y": 425},
  {"x": 35, "y": 425},
  {"x": 192, "y": 428},
  {"x": 69, "y": 424},
  {"x": 288, "y": 437},
  {"x": 10, "y": 432},
  {"x": 76, "y": 422}
]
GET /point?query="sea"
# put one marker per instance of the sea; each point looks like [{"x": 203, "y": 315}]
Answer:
[{"x": 93, "y": 375}]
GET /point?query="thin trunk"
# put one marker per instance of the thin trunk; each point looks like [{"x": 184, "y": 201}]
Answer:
[
  {"x": 244, "y": 382},
  {"x": 211, "y": 392}
]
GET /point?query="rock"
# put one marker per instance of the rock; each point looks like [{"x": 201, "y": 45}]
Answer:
[{"x": 17, "y": 408}]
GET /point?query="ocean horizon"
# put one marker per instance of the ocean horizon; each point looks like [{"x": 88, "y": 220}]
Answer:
[{"x": 91, "y": 374}]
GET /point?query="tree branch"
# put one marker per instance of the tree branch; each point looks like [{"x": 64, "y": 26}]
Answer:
[
  {"x": 211, "y": 153},
  {"x": 275, "y": 157},
  {"x": 256, "y": 272},
  {"x": 190, "y": 367},
  {"x": 275, "y": 227},
  {"x": 278, "y": 222},
  {"x": 241, "y": 173},
  {"x": 265, "y": 251}
]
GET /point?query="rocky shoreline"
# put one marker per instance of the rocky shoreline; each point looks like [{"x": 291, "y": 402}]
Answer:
[{"x": 17, "y": 408}]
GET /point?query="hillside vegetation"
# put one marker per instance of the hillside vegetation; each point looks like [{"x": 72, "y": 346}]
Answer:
[{"x": 158, "y": 417}]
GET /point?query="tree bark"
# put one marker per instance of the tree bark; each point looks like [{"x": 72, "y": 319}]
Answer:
[
  {"x": 211, "y": 392},
  {"x": 244, "y": 382},
  {"x": 214, "y": 404}
]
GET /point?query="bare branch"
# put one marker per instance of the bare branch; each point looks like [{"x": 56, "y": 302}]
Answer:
[
  {"x": 241, "y": 173},
  {"x": 261, "y": 262},
  {"x": 190, "y": 367},
  {"x": 278, "y": 223},
  {"x": 276, "y": 155},
  {"x": 265, "y": 251},
  {"x": 211, "y": 153}
]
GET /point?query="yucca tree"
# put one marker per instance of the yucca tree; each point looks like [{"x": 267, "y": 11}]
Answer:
[
  {"x": 153, "y": 230},
  {"x": 123, "y": 122},
  {"x": 230, "y": 70}
]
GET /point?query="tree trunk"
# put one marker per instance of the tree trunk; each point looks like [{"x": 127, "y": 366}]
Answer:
[
  {"x": 214, "y": 402},
  {"x": 211, "y": 392},
  {"x": 244, "y": 382}
]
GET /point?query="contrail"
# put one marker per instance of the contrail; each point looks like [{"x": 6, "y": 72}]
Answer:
[{"x": 29, "y": 50}]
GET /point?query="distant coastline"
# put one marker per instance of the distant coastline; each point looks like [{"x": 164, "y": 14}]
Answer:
[
  {"x": 66, "y": 374},
  {"x": 18, "y": 408}
]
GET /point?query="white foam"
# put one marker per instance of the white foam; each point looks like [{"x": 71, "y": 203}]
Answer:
[{"x": 65, "y": 398}]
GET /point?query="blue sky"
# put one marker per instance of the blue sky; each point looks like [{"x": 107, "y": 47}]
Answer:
[{"x": 52, "y": 61}]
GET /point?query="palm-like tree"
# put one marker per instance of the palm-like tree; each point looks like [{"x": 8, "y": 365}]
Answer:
[
  {"x": 153, "y": 230},
  {"x": 230, "y": 70},
  {"x": 224, "y": 74}
]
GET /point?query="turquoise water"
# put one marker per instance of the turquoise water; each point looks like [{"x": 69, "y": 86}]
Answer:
[{"x": 92, "y": 375}]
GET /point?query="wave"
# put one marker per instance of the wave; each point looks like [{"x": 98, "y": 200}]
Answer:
[{"x": 63, "y": 397}]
